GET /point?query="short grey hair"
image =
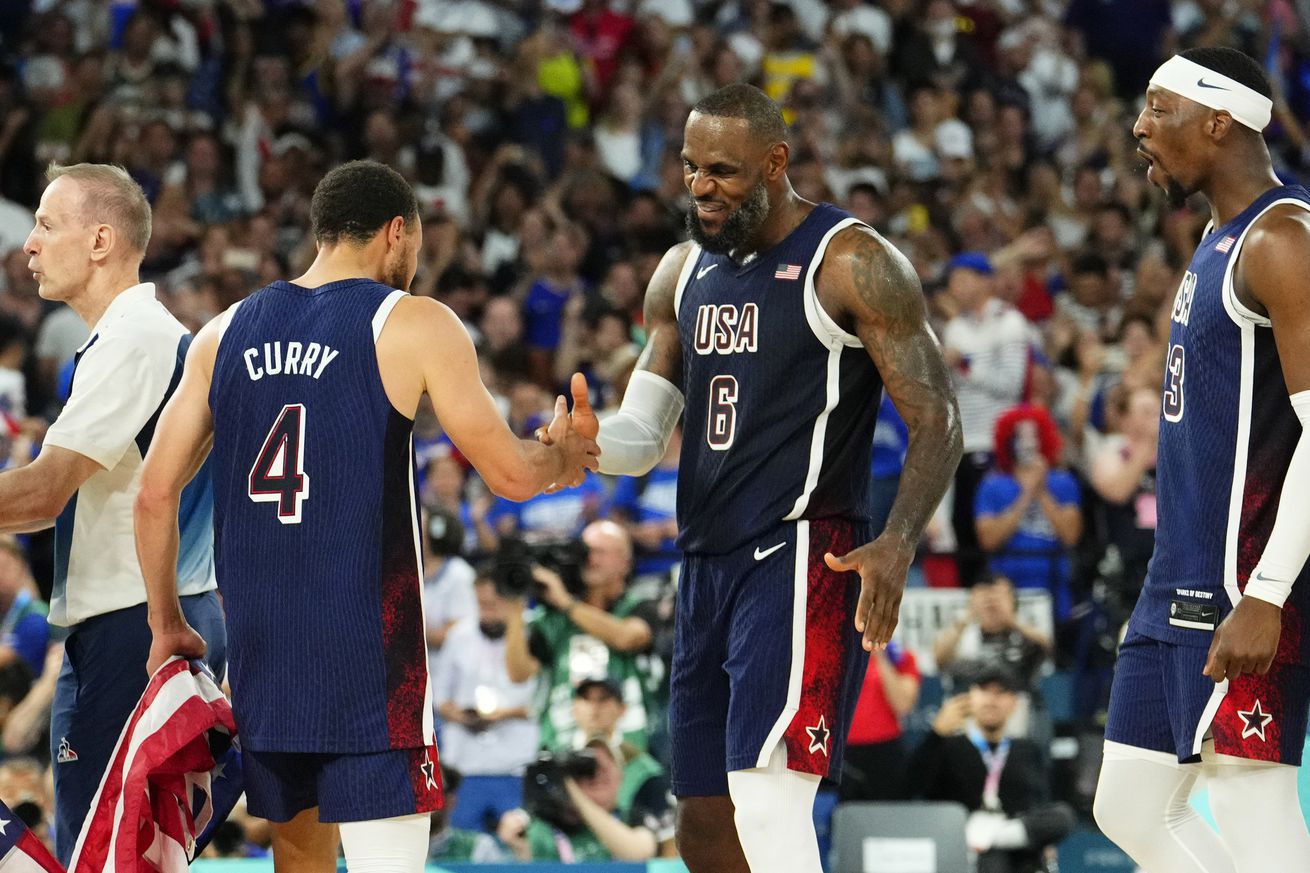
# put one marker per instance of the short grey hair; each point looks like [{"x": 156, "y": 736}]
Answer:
[{"x": 110, "y": 196}]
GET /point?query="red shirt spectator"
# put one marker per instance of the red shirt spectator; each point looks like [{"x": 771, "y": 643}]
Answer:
[
  {"x": 875, "y": 720},
  {"x": 601, "y": 35}
]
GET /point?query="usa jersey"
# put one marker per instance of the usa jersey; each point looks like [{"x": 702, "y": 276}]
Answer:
[
  {"x": 316, "y": 526},
  {"x": 1226, "y": 438},
  {"x": 781, "y": 401}
]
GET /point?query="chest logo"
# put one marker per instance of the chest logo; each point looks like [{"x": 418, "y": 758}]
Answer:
[
  {"x": 726, "y": 329},
  {"x": 1183, "y": 299}
]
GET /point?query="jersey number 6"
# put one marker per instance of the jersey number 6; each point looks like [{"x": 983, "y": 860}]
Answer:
[
  {"x": 278, "y": 475},
  {"x": 721, "y": 426}
]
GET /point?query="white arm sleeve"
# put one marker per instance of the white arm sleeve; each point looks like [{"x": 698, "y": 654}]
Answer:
[
  {"x": 1289, "y": 543},
  {"x": 633, "y": 440}
]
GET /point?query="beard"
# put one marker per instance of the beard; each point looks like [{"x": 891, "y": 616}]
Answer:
[
  {"x": 737, "y": 228},
  {"x": 1175, "y": 193},
  {"x": 396, "y": 273}
]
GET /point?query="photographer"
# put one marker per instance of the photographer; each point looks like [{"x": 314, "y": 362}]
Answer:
[
  {"x": 599, "y": 630},
  {"x": 488, "y": 732},
  {"x": 594, "y": 805}
]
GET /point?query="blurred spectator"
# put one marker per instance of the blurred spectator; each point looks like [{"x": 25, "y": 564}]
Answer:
[
  {"x": 986, "y": 345},
  {"x": 1028, "y": 509},
  {"x": 489, "y": 732},
  {"x": 448, "y": 588},
  {"x": 646, "y": 506},
  {"x": 1002, "y": 780},
  {"x": 14, "y": 339},
  {"x": 990, "y": 632},
  {"x": 890, "y": 440},
  {"x": 1123, "y": 475},
  {"x": 24, "y": 633},
  {"x": 599, "y": 631},
  {"x": 454, "y": 844},
  {"x": 874, "y": 767},
  {"x": 598, "y": 830},
  {"x": 25, "y": 789}
]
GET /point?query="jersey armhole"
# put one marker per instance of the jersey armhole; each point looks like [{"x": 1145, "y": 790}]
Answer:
[
  {"x": 384, "y": 312},
  {"x": 226, "y": 319},
  {"x": 823, "y": 325},
  {"x": 1238, "y": 311},
  {"x": 693, "y": 258}
]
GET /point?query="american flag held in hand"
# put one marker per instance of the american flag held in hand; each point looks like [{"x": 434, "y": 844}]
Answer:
[
  {"x": 174, "y": 776},
  {"x": 20, "y": 850}
]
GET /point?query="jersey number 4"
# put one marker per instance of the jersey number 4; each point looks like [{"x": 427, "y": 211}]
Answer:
[{"x": 278, "y": 475}]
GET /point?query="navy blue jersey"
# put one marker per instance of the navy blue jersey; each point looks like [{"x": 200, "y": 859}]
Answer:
[
  {"x": 316, "y": 526},
  {"x": 781, "y": 401},
  {"x": 1226, "y": 438}
]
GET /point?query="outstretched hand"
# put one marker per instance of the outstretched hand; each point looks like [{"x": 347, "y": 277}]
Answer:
[
  {"x": 882, "y": 565},
  {"x": 580, "y": 452},
  {"x": 184, "y": 641}
]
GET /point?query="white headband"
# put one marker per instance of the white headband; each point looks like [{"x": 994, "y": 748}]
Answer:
[{"x": 1202, "y": 84}]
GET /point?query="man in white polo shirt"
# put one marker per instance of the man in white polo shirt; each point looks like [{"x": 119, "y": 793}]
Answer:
[{"x": 91, "y": 232}]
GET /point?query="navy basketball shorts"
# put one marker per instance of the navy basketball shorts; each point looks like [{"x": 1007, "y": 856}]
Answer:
[
  {"x": 765, "y": 652},
  {"x": 344, "y": 787},
  {"x": 1161, "y": 701}
]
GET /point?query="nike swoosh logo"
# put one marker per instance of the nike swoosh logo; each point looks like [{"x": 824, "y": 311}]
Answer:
[
  {"x": 1201, "y": 83},
  {"x": 1263, "y": 578},
  {"x": 703, "y": 270},
  {"x": 760, "y": 556}
]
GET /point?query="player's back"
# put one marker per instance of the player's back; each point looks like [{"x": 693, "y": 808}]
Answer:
[
  {"x": 316, "y": 532},
  {"x": 781, "y": 401},
  {"x": 1226, "y": 438}
]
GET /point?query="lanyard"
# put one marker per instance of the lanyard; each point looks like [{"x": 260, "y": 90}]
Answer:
[{"x": 995, "y": 763}]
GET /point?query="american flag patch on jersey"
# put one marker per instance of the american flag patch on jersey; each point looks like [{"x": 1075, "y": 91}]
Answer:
[
  {"x": 1225, "y": 244},
  {"x": 790, "y": 272}
]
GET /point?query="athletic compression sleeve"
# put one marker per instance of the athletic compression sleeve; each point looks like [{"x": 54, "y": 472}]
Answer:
[
  {"x": 1289, "y": 544},
  {"x": 633, "y": 440}
]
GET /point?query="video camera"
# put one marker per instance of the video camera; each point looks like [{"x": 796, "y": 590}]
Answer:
[
  {"x": 544, "y": 795},
  {"x": 511, "y": 568}
]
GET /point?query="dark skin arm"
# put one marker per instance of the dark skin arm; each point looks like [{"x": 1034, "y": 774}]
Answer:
[
  {"x": 1270, "y": 279},
  {"x": 868, "y": 285}
]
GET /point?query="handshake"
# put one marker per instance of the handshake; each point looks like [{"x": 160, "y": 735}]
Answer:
[{"x": 573, "y": 434}]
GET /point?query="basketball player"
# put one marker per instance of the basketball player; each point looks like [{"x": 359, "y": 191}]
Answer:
[
  {"x": 308, "y": 389},
  {"x": 1224, "y": 597},
  {"x": 91, "y": 232},
  {"x": 781, "y": 322}
]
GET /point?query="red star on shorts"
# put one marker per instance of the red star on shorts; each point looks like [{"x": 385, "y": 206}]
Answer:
[
  {"x": 1255, "y": 720},
  {"x": 819, "y": 737}
]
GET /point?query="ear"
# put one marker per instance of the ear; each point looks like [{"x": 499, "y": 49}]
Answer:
[
  {"x": 1219, "y": 125},
  {"x": 777, "y": 161},
  {"x": 103, "y": 241},
  {"x": 396, "y": 229}
]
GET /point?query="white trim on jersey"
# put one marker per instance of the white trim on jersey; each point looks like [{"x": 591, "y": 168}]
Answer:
[
  {"x": 825, "y": 328},
  {"x": 226, "y": 319},
  {"x": 429, "y": 729},
  {"x": 1237, "y": 311},
  {"x": 684, "y": 277},
  {"x": 834, "y": 339},
  {"x": 795, "y": 677},
  {"x": 384, "y": 312},
  {"x": 1207, "y": 715}
]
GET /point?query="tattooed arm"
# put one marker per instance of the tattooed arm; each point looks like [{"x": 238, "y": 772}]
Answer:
[{"x": 870, "y": 287}]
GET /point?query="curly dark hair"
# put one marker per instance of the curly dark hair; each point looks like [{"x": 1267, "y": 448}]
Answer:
[{"x": 355, "y": 200}]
